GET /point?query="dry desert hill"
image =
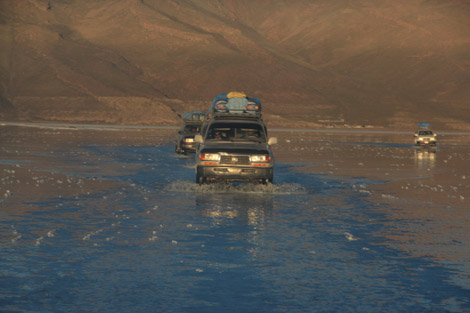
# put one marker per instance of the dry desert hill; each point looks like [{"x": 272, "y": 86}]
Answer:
[{"x": 384, "y": 63}]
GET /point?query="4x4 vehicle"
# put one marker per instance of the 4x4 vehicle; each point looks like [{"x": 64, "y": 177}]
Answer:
[
  {"x": 424, "y": 136},
  {"x": 192, "y": 122},
  {"x": 234, "y": 147}
]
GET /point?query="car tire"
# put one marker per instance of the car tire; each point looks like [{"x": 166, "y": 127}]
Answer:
[
  {"x": 200, "y": 179},
  {"x": 265, "y": 181}
]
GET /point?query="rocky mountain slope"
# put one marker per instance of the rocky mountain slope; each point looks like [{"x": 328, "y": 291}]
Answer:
[{"x": 389, "y": 63}]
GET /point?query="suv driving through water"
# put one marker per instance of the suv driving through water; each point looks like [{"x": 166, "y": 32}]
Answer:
[
  {"x": 192, "y": 122},
  {"x": 234, "y": 147},
  {"x": 424, "y": 136}
]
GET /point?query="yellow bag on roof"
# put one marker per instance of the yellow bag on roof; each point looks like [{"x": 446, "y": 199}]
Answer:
[{"x": 236, "y": 94}]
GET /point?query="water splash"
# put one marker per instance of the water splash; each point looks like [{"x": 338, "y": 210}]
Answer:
[{"x": 243, "y": 188}]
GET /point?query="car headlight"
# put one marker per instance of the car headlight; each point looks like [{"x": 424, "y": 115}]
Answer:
[
  {"x": 420, "y": 138},
  {"x": 260, "y": 158},
  {"x": 209, "y": 156},
  {"x": 188, "y": 140}
]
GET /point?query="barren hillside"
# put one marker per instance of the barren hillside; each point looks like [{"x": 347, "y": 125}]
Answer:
[{"x": 389, "y": 63}]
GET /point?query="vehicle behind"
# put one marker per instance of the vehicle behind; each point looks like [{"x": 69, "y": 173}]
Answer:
[
  {"x": 424, "y": 136},
  {"x": 192, "y": 122}
]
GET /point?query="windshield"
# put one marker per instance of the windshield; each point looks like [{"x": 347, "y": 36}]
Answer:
[
  {"x": 191, "y": 129},
  {"x": 425, "y": 133},
  {"x": 236, "y": 132}
]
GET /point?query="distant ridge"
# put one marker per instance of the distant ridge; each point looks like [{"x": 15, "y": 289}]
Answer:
[{"x": 388, "y": 63}]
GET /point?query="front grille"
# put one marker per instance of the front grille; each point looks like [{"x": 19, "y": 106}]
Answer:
[{"x": 235, "y": 159}]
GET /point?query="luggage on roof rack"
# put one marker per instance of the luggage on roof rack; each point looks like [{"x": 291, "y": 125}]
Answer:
[
  {"x": 234, "y": 102},
  {"x": 236, "y": 94},
  {"x": 194, "y": 116}
]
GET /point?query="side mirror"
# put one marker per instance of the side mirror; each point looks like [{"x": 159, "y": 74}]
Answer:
[
  {"x": 198, "y": 138},
  {"x": 272, "y": 141}
]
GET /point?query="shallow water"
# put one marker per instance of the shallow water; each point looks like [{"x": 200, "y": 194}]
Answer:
[{"x": 117, "y": 224}]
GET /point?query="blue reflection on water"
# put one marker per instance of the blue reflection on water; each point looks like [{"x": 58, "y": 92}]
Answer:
[{"x": 161, "y": 243}]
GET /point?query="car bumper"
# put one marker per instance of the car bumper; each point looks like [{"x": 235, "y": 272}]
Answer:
[
  {"x": 191, "y": 147},
  {"x": 235, "y": 173},
  {"x": 425, "y": 142}
]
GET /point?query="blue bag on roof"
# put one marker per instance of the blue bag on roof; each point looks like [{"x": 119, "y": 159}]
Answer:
[
  {"x": 235, "y": 102},
  {"x": 424, "y": 126}
]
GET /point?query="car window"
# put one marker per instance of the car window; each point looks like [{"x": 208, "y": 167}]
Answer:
[
  {"x": 425, "y": 133},
  {"x": 191, "y": 129},
  {"x": 236, "y": 131}
]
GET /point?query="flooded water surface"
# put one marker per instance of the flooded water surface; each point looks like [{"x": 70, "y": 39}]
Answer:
[{"x": 112, "y": 221}]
